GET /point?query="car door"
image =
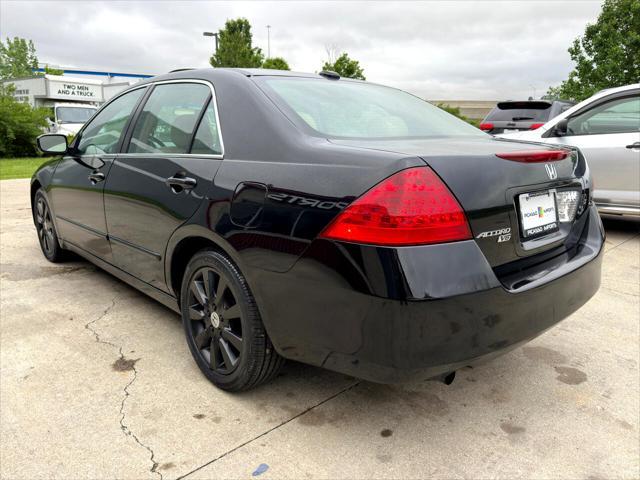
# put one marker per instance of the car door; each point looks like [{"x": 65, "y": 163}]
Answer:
[
  {"x": 78, "y": 182},
  {"x": 168, "y": 161},
  {"x": 608, "y": 134}
]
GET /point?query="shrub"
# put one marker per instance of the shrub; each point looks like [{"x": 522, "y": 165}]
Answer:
[
  {"x": 456, "y": 111},
  {"x": 20, "y": 124}
]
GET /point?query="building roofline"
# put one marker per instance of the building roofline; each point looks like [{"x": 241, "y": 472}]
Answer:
[{"x": 72, "y": 71}]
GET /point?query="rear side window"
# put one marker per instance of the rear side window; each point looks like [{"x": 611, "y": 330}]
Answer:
[
  {"x": 169, "y": 118},
  {"x": 207, "y": 139},
  {"x": 520, "y": 112},
  {"x": 617, "y": 116}
]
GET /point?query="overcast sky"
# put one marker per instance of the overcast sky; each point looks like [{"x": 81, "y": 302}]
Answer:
[{"x": 437, "y": 50}]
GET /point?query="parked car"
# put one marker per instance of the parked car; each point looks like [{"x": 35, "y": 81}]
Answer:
[
  {"x": 512, "y": 116},
  {"x": 606, "y": 128},
  {"x": 335, "y": 222},
  {"x": 68, "y": 118}
]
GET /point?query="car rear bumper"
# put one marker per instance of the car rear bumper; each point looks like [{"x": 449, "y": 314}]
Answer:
[{"x": 391, "y": 315}]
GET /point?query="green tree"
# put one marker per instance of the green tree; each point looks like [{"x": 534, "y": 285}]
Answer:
[
  {"x": 20, "y": 124},
  {"x": 345, "y": 67},
  {"x": 52, "y": 71},
  {"x": 276, "y": 63},
  {"x": 456, "y": 112},
  {"x": 607, "y": 55},
  {"x": 235, "y": 48},
  {"x": 17, "y": 58}
]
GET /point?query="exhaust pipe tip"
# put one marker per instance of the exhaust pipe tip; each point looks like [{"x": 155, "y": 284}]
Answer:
[{"x": 446, "y": 378}]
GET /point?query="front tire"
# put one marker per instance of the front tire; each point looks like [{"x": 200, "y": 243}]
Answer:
[
  {"x": 46, "y": 229},
  {"x": 222, "y": 325}
]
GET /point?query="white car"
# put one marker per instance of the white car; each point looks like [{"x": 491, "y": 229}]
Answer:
[{"x": 606, "y": 128}]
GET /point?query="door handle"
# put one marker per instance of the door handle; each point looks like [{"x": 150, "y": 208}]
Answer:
[
  {"x": 633, "y": 145},
  {"x": 96, "y": 177},
  {"x": 180, "y": 183}
]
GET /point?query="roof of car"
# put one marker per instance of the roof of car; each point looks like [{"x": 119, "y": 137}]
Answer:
[{"x": 249, "y": 72}]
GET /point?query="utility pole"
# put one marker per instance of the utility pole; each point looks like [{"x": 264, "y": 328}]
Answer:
[
  {"x": 214, "y": 35},
  {"x": 268, "y": 41}
]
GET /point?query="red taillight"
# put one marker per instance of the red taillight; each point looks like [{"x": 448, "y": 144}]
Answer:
[
  {"x": 412, "y": 207},
  {"x": 486, "y": 126},
  {"x": 535, "y": 126},
  {"x": 534, "y": 156}
]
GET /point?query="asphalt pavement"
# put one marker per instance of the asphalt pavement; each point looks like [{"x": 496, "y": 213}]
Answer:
[{"x": 97, "y": 382}]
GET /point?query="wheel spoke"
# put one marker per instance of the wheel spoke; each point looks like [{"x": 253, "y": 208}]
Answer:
[
  {"x": 195, "y": 313},
  {"x": 45, "y": 240},
  {"x": 198, "y": 292},
  {"x": 208, "y": 279},
  {"x": 40, "y": 207},
  {"x": 233, "y": 339},
  {"x": 215, "y": 352},
  {"x": 229, "y": 357},
  {"x": 232, "y": 312},
  {"x": 203, "y": 338},
  {"x": 222, "y": 286}
]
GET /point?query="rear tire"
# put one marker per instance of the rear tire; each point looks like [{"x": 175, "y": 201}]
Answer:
[
  {"x": 222, "y": 325},
  {"x": 46, "y": 229}
]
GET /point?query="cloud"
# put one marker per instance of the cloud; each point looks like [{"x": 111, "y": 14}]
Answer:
[{"x": 437, "y": 50}]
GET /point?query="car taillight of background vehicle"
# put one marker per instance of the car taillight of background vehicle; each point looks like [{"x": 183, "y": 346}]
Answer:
[
  {"x": 411, "y": 207},
  {"x": 486, "y": 126},
  {"x": 535, "y": 126}
]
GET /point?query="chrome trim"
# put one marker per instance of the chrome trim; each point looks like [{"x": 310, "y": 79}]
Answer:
[
  {"x": 617, "y": 210},
  {"x": 214, "y": 98},
  {"x": 167, "y": 155}
]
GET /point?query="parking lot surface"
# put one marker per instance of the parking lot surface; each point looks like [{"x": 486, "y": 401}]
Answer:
[{"x": 97, "y": 382}]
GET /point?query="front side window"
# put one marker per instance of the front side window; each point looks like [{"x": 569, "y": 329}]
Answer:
[
  {"x": 169, "y": 118},
  {"x": 103, "y": 133},
  {"x": 621, "y": 115},
  {"x": 207, "y": 139},
  {"x": 361, "y": 110}
]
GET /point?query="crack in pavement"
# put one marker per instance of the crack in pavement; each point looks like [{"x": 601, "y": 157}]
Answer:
[
  {"x": 123, "y": 426},
  {"x": 238, "y": 447}
]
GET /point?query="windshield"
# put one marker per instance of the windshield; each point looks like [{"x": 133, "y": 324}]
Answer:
[
  {"x": 361, "y": 110},
  {"x": 74, "y": 114}
]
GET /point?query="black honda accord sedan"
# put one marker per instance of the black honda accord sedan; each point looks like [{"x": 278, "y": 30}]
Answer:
[{"x": 330, "y": 221}]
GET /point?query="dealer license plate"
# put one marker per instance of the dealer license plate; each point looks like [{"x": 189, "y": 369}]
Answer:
[{"x": 538, "y": 213}]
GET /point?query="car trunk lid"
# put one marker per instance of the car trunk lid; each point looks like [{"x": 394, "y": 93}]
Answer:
[{"x": 495, "y": 192}]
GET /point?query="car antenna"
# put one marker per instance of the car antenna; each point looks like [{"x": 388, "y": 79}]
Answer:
[{"x": 329, "y": 74}]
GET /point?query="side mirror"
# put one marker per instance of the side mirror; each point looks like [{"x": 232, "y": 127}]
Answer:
[
  {"x": 561, "y": 128},
  {"x": 53, "y": 143}
]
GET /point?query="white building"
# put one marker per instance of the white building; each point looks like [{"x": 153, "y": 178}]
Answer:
[
  {"x": 75, "y": 86},
  {"x": 73, "y": 97}
]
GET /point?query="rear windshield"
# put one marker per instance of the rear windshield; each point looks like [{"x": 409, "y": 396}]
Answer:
[
  {"x": 339, "y": 108},
  {"x": 520, "y": 112}
]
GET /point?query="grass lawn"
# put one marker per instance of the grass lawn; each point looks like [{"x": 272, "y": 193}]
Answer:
[{"x": 19, "y": 167}]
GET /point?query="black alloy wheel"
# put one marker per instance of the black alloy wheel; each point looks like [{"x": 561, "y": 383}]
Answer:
[
  {"x": 223, "y": 326},
  {"x": 46, "y": 229},
  {"x": 216, "y": 320}
]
